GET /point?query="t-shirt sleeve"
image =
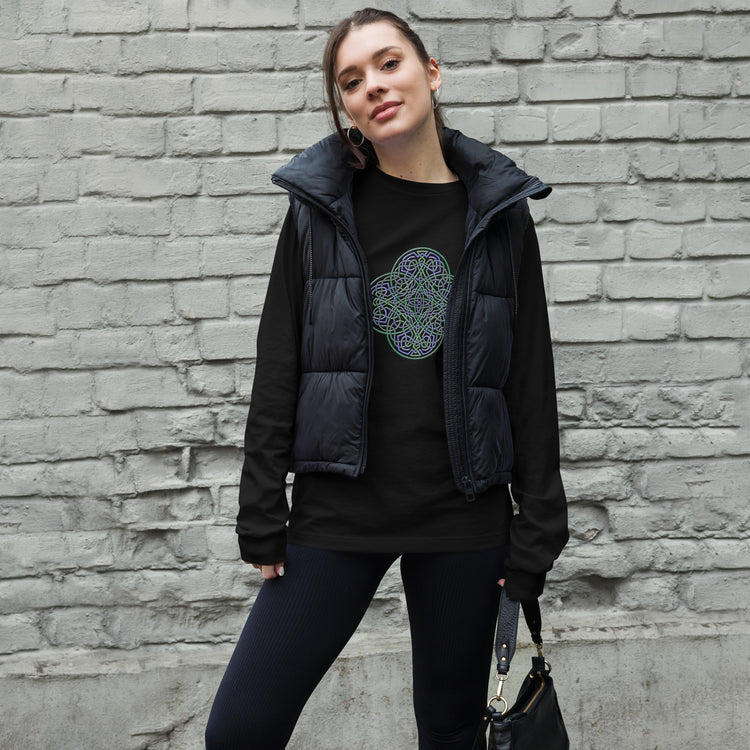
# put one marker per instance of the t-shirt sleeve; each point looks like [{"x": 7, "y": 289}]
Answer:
[
  {"x": 263, "y": 511},
  {"x": 539, "y": 531}
]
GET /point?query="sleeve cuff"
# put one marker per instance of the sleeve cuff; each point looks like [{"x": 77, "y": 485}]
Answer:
[
  {"x": 520, "y": 585},
  {"x": 266, "y": 551}
]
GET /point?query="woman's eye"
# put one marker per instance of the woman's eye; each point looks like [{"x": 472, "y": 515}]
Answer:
[
  {"x": 391, "y": 64},
  {"x": 351, "y": 84}
]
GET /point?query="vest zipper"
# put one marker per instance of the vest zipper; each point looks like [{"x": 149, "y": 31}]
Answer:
[{"x": 456, "y": 412}]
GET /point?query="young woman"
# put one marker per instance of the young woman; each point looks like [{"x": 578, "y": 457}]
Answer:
[{"x": 405, "y": 375}]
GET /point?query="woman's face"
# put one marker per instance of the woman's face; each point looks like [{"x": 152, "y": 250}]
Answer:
[{"x": 385, "y": 88}]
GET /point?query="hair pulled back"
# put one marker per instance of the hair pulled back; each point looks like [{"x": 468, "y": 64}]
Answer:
[{"x": 363, "y": 17}]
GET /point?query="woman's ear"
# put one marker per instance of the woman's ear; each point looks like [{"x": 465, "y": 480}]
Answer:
[{"x": 433, "y": 71}]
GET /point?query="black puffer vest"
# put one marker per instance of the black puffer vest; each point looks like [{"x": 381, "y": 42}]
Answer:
[{"x": 337, "y": 335}]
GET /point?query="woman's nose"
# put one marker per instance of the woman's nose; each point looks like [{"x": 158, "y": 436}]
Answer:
[{"x": 375, "y": 86}]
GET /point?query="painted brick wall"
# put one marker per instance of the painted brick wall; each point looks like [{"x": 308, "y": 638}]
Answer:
[{"x": 137, "y": 229}]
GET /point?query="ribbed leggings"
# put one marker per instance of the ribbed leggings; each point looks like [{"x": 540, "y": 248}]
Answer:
[{"x": 300, "y": 622}]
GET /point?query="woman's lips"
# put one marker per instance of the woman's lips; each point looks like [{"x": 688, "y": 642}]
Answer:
[{"x": 387, "y": 112}]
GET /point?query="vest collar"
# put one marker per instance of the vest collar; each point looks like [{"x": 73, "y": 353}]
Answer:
[{"x": 322, "y": 175}]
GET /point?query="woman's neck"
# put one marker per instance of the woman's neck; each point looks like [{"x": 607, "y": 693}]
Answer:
[{"x": 416, "y": 159}]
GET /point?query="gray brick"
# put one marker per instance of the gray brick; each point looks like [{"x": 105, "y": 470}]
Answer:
[
  {"x": 147, "y": 94},
  {"x": 228, "y": 340},
  {"x": 567, "y": 82},
  {"x": 169, "y": 14},
  {"x": 571, "y": 205},
  {"x": 700, "y": 79},
  {"x": 716, "y": 320},
  {"x": 598, "y": 483},
  {"x": 135, "y": 178},
  {"x": 20, "y": 394},
  {"x": 639, "y": 120},
  {"x": 728, "y": 201},
  {"x": 716, "y": 240},
  {"x": 249, "y": 133},
  {"x": 665, "y": 203},
  {"x": 64, "y": 393},
  {"x": 39, "y": 17},
  {"x": 256, "y": 214},
  {"x": 27, "y": 311},
  {"x": 19, "y": 633},
  {"x": 658, "y": 7},
  {"x": 729, "y": 279},
  {"x": 655, "y": 593},
  {"x": 697, "y": 163},
  {"x": 238, "y": 256},
  {"x": 133, "y": 136},
  {"x": 230, "y": 177},
  {"x": 297, "y": 131},
  {"x": 87, "y": 436},
  {"x": 168, "y": 428},
  {"x": 722, "y": 478},
  {"x": 539, "y": 8},
  {"x": 193, "y": 136},
  {"x": 653, "y": 79},
  {"x": 675, "y": 37},
  {"x": 299, "y": 49},
  {"x": 196, "y": 216},
  {"x": 211, "y": 380},
  {"x": 156, "y": 471},
  {"x": 727, "y": 119},
  {"x": 573, "y": 41},
  {"x": 518, "y": 41},
  {"x": 212, "y": 464},
  {"x": 741, "y": 77},
  {"x": 623, "y": 39},
  {"x": 477, "y": 123},
  {"x": 728, "y": 38},
  {"x": 248, "y": 295},
  {"x": 591, "y": 322},
  {"x": 648, "y": 240},
  {"x": 168, "y": 52},
  {"x": 575, "y": 123},
  {"x": 175, "y": 344},
  {"x": 591, "y": 8},
  {"x": 252, "y": 92},
  {"x": 30, "y": 94},
  {"x": 522, "y": 124},
  {"x": 650, "y": 322},
  {"x": 654, "y": 280},
  {"x": 21, "y": 184},
  {"x": 24, "y": 553},
  {"x": 234, "y": 14},
  {"x": 328, "y": 14},
  {"x": 465, "y": 43},
  {"x": 675, "y": 361},
  {"x": 230, "y": 425},
  {"x": 244, "y": 50},
  {"x": 578, "y": 165},
  {"x": 18, "y": 267},
  {"x": 135, "y": 387},
  {"x": 733, "y": 162},
  {"x": 480, "y": 85},
  {"x": 114, "y": 259},
  {"x": 588, "y": 242},
  {"x": 656, "y": 162},
  {"x": 575, "y": 282},
  {"x": 96, "y": 16},
  {"x": 716, "y": 590},
  {"x": 442, "y": 9},
  {"x": 201, "y": 299}
]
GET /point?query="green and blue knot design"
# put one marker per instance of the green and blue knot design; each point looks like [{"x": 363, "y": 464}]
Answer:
[{"x": 409, "y": 302}]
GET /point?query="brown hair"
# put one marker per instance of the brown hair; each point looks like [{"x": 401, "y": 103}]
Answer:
[{"x": 365, "y": 152}]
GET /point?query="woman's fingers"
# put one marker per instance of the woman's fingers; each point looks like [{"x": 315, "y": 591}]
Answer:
[
  {"x": 502, "y": 582},
  {"x": 270, "y": 571}
]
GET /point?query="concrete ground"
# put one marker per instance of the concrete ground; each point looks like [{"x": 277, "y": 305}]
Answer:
[{"x": 627, "y": 681}]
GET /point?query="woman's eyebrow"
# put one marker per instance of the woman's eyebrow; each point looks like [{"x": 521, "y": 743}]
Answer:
[{"x": 375, "y": 56}]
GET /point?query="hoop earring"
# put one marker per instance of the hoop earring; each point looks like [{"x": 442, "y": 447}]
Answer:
[
  {"x": 435, "y": 98},
  {"x": 356, "y": 145}
]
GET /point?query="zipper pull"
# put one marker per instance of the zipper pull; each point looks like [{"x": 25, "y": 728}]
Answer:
[{"x": 470, "y": 496}]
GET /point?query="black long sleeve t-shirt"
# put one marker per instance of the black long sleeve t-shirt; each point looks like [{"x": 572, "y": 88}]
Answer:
[{"x": 412, "y": 235}]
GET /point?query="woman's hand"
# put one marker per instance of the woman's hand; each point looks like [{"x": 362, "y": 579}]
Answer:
[
  {"x": 270, "y": 571},
  {"x": 502, "y": 582}
]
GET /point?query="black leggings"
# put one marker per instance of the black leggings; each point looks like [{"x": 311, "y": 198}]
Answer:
[{"x": 301, "y": 622}]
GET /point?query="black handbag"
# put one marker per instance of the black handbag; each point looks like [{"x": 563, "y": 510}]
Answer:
[{"x": 534, "y": 721}]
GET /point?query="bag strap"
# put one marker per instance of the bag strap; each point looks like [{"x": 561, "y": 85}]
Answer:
[{"x": 507, "y": 628}]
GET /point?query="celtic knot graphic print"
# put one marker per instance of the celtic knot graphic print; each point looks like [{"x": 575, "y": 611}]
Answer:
[{"x": 409, "y": 302}]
